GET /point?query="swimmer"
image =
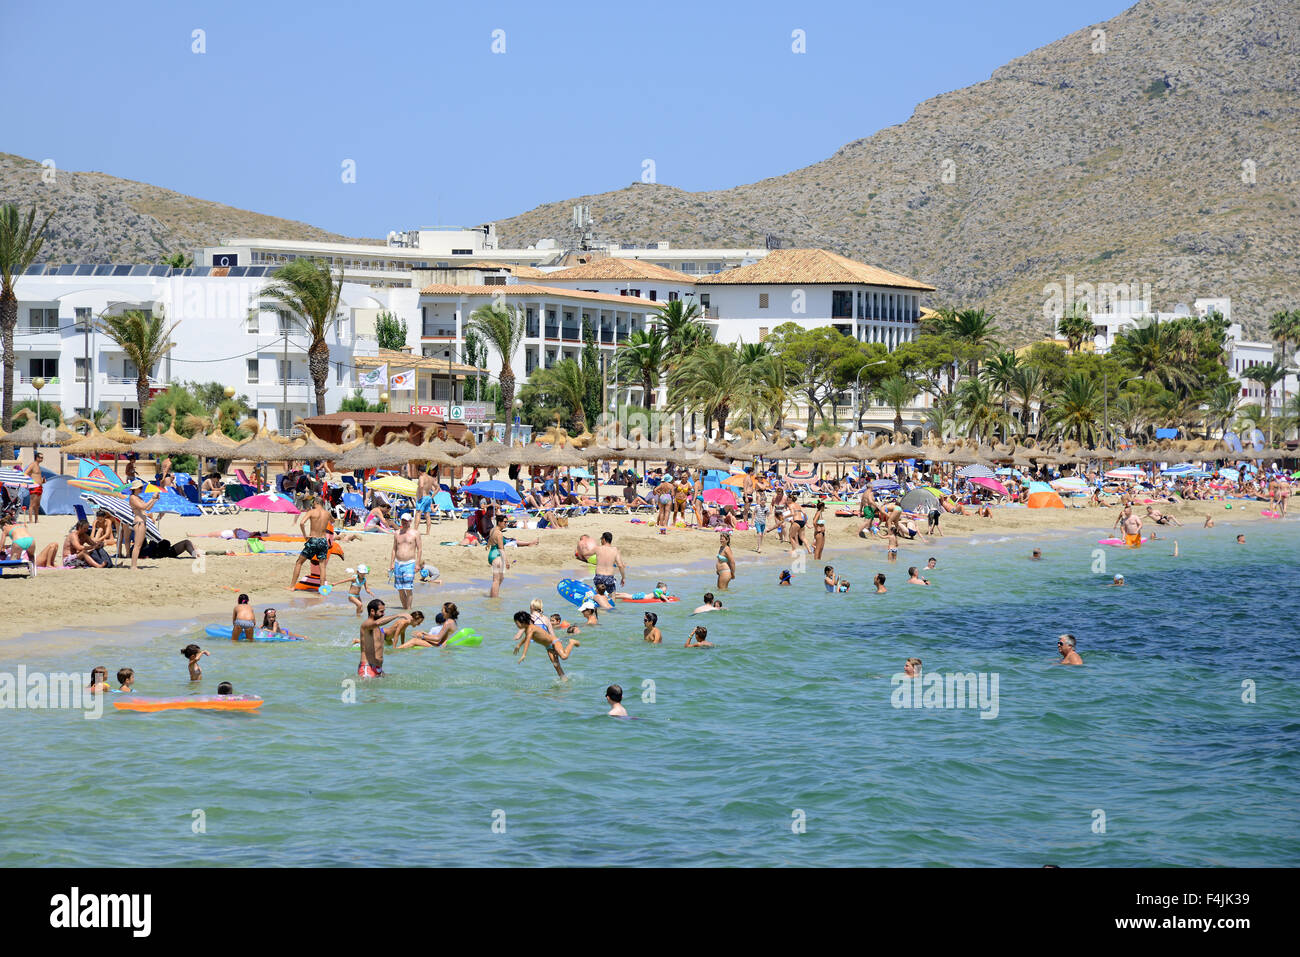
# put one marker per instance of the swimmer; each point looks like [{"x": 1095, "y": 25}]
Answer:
[
  {"x": 652, "y": 633},
  {"x": 394, "y": 634},
  {"x": 710, "y": 604},
  {"x": 225, "y": 688},
  {"x": 448, "y": 624},
  {"x": 126, "y": 680},
  {"x": 1241, "y": 539},
  {"x": 529, "y": 632},
  {"x": 589, "y": 613},
  {"x": 192, "y": 654},
  {"x": 880, "y": 583},
  {"x": 785, "y": 577},
  {"x": 932, "y": 563},
  {"x": 1117, "y": 580},
  {"x": 243, "y": 621},
  {"x": 912, "y": 667},
  {"x": 914, "y": 577},
  {"x": 371, "y": 664},
  {"x": 559, "y": 624},
  {"x": 1065, "y": 645},
  {"x": 614, "y": 695},
  {"x": 697, "y": 638},
  {"x": 829, "y": 579},
  {"x": 600, "y": 596},
  {"x": 1036, "y": 555},
  {"x": 98, "y": 680},
  {"x": 1209, "y": 522},
  {"x": 843, "y": 586}
]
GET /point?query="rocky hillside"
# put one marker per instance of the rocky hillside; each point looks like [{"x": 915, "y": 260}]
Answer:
[
  {"x": 99, "y": 218},
  {"x": 1158, "y": 148}
]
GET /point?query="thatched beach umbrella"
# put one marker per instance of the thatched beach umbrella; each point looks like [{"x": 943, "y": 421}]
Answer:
[
  {"x": 204, "y": 448},
  {"x": 260, "y": 448},
  {"x": 711, "y": 463},
  {"x": 489, "y": 455},
  {"x": 158, "y": 444},
  {"x": 34, "y": 434},
  {"x": 97, "y": 443}
]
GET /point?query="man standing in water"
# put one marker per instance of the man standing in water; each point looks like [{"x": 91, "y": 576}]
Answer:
[
  {"x": 314, "y": 526},
  {"x": 406, "y": 557},
  {"x": 372, "y": 640},
  {"x": 607, "y": 559},
  {"x": 1132, "y": 526},
  {"x": 1065, "y": 645}
]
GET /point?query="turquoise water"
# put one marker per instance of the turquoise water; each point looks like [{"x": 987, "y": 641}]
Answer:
[{"x": 788, "y": 722}]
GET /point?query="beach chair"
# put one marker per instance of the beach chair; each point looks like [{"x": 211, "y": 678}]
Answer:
[
  {"x": 81, "y": 512},
  {"x": 12, "y": 564}
]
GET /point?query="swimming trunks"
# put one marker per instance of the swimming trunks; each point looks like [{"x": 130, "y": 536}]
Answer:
[
  {"x": 239, "y": 628},
  {"x": 1133, "y": 541},
  {"x": 315, "y": 549},
  {"x": 607, "y": 581},
  {"x": 364, "y": 670},
  {"x": 404, "y": 575}
]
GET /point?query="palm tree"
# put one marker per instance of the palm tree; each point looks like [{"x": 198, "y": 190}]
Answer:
[
  {"x": 981, "y": 410},
  {"x": 1221, "y": 405},
  {"x": 1077, "y": 408},
  {"x": 1268, "y": 374},
  {"x": 1000, "y": 373},
  {"x": 141, "y": 336},
  {"x": 942, "y": 417},
  {"x": 897, "y": 392},
  {"x": 20, "y": 241},
  {"x": 1028, "y": 386},
  {"x": 1127, "y": 413},
  {"x": 565, "y": 383},
  {"x": 774, "y": 383},
  {"x": 1284, "y": 327},
  {"x": 643, "y": 357},
  {"x": 713, "y": 380},
  {"x": 310, "y": 291},
  {"x": 1076, "y": 327},
  {"x": 1154, "y": 352},
  {"x": 684, "y": 331},
  {"x": 502, "y": 327}
]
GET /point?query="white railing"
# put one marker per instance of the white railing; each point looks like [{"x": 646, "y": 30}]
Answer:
[{"x": 27, "y": 379}]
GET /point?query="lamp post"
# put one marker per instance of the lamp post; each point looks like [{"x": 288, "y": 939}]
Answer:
[
  {"x": 38, "y": 384},
  {"x": 857, "y": 389},
  {"x": 383, "y": 398}
]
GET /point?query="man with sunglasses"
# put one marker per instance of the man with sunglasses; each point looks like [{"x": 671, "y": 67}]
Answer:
[{"x": 1065, "y": 645}]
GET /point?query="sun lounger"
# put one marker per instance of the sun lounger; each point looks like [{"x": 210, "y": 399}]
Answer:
[{"x": 10, "y": 564}]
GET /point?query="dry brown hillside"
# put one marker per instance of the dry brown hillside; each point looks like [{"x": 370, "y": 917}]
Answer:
[{"x": 1131, "y": 163}]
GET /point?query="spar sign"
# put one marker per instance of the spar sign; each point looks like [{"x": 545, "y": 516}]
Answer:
[{"x": 467, "y": 412}]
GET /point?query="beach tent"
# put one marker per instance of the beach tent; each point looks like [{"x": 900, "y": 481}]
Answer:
[
  {"x": 59, "y": 497},
  {"x": 1041, "y": 495},
  {"x": 920, "y": 500}
]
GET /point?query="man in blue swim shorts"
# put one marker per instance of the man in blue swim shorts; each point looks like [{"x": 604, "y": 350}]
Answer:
[
  {"x": 406, "y": 557},
  {"x": 608, "y": 560}
]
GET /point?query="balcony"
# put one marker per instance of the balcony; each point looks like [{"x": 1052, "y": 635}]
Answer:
[
  {"x": 530, "y": 329},
  {"x": 291, "y": 390},
  {"x": 552, "y": 331},
  {"x": 433, "y": 331},
  {"x": 606, "y": 335},
  {"x": 572, "y": 332}
]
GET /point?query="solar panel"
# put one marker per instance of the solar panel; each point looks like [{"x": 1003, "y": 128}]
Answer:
[
  {"x": 202, "y": 270},
  {"x": 104, "y": 269},
  {"x": 85, "y": 269},
  {"x": 141, "y": 270},
  {"x": 238, "y": 271},
  {"x": 36, "y": 269},
  {"x": 122, "y": 270},
  {"x": 159, "y": 270}
]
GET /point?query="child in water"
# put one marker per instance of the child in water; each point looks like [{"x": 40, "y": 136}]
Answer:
[
  {"x": 242, "y": 620},
  {"x": 271, "y": 623},
  {"x": 697, "y": 638},
  {"x": 355, "y": 584},
  {"x": 99, "y": 680},
  {"x": 829, "y": 579},
  {"x": 614, "y": 695},
  {"x": 558, "y": 624},
  {"x": 126, "y": 680},
  {"x": 192, "y": 654},
  {"x": 530, "y": 632}
]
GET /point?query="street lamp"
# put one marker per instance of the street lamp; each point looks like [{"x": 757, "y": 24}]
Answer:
[
  {"x": 38, "y": 384},
  {"x": 229, "y": 391},
  {"x": 383, "y": 398},
  {"x": 857, "y": 394}
]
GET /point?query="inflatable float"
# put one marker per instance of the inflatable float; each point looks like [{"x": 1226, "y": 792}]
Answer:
[
  {"x": 1117, "y": 542},
  {"x": 574, "y": 591},
  {"x": 206, "y": 702},
  {"x": 1269, "y": 513},
  {"x": 648, "y": 599},
  {"x": 223, "y": 631}
]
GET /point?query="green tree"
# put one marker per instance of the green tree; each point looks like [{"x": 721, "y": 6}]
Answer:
[
  {"x": 20, "y": 242},
  {"x": 475, "y": 354},
  {"x": 1051, "y": 360},
  {"x": 1028, "y": 387},
  {"x": 177, "y": 260},
  {"x": 562, "y": 386},
  {"x": 591, "y": 374},
  {"x": 1268, "y": 374},
  {"x": 1221, "y": 405},
  {"x": 643, "y": 358},
  {"x": 897, "y": 393},
  {"x": 1156, "y": 352},
  {"x": 713, "y": 380},
  {"x": 357, "y": 403},
  {"x": 390, "y": 331},
  {"x": 981, "y": 407},
  {"x": 311, "y": 291},
  {"x": 933, "y": 360},
  {"x": 144, "y": 340},
  {"x": 502, "y": 328},
  {"x": 811, "y": 356},
  {"x": 1076, "y": 327},
  {"x": 1076, "y": 409}
]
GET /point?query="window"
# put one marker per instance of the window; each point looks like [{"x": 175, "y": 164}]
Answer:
[
  {"x": 841, "y": 304},
  {"x": 672, "y": 297},
  {"x": 80, "y": 375},
  {"x": 46, "y": 368},
  {"x": 129, "y": 370},
  {"x": 285, "y": 325},
  {"x": 704, "y": 300},
  {"x": 43, "y": 320},
  {"x": 762, "y": 300},
  {"x": 252, "y": 371},
  {"x": 83, "y": 314},
  {"x": 654, "y": 295},
  {"x": 338, "y": 373},
  {"x": 254, "y": 323},
  {"x": 462, "y": 252},
  {"x": 131, "y": 419},
  {"x": 286, "y": 369},
  {"x": 713, "y": 267},
  {"x": 494, "y": 280},
  {"x": 762, "y": 333}
]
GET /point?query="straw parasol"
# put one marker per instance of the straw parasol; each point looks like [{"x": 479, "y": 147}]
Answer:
[
  {"x": 559, "y": 457},
  {"x": 158, "y": 444},
  {"x": 205, "y": 448},
  {"x": 33, "y": 433},
  {"x": 711, "y": 462},
  {"x": 119, "y": 434},
  {"x": 96, "y": 443},
  {"x": 260, "y": 448},
  {"x": 489, "y": 455},
  {"x": 362, "y": 456},
  {"x": 398, "y": 451}
]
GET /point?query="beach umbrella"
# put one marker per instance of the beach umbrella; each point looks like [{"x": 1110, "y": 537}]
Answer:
[
  {"x": 975, "y": 470},
  {"x": 1071, "y": 484},
  {"x": 204, "y": 448},
  {"x": 884, "y": 485},
  {"x": 920, "y": 500},
  {"x": 120, "y": 508},
  {"x": 1126, "y": 474},
  {"x": 177, "y": 504},
  {"x": 393, "y": 485},
  {"x": 737, "y": 480},
  {"x": 119, "y": 434},
  {"x": 34, "y": 434},
  {"x": 96, "y": 444},
  {"x": 992, "y": 484},
  {"x": 488, "y": 455},
  {"x": 158, "y": 444},
  {"x": 720, "y": 496},
  {"x": 709, "y": 463},
  {"x": 14, "y": 477},
  {"x": 260, "y": 448},
  {"x": 1177, "y": 470},
  {"x": 269, "y": 502},
  {"x": 1041, "y": 495},
  {"x": 497, "y": 491}
]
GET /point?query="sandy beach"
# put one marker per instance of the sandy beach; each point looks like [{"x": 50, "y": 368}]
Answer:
[{"x": 59, "y": 601}]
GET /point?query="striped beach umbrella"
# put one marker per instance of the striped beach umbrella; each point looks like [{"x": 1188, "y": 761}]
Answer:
[
  {"x": 120, "y": 509},
  {"x": 976, "y": 471},
  {"x": 14, "y": 477}
]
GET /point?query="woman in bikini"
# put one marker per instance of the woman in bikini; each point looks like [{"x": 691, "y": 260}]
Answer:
[
  {"x": 681, "y": 492},
  {"x": 726, "y": 563},
  {"x": 819, "y": 530},
  {"x": 139, "y": 507},
  {"x": 19, "y": 540}
]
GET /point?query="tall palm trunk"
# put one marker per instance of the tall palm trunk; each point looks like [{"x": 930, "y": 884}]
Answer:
[
  {"x": 141, "y": 394},
  {"x": 8, "y": 320},
  {"x": 647, "y": 398},
  {"x": 318, "y": 362},
  {"x": 508, "y": 400}
]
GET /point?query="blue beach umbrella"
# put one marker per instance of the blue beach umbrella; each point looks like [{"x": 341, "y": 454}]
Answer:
[
  {"x": 496, "y": 490},
  {"x": 176, "y": 504},
  {"x": 884, "y": 485}
]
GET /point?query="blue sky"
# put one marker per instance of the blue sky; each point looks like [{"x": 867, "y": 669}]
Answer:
[{"x": 444, "y": 131}]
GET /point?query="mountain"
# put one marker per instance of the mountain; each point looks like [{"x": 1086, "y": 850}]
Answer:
[
  {"x": 1161, "y": 151},
  {"x": 99, "y": 218}
]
